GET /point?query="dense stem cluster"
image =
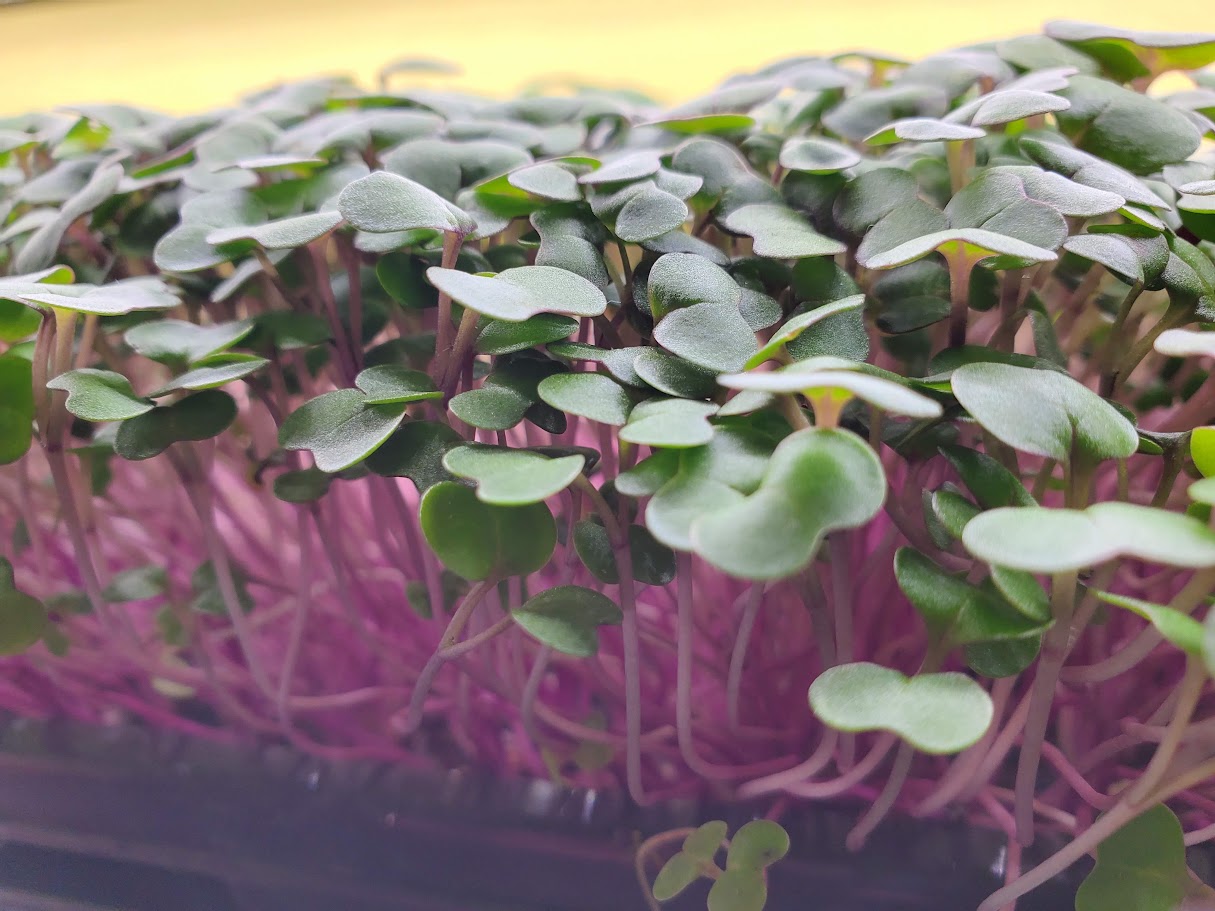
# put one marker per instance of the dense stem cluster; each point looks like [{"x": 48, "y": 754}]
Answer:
[{"x": 577, "y": 439}]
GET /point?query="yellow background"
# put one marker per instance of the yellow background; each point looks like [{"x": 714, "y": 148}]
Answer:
[{"x": 182, "y": 55}]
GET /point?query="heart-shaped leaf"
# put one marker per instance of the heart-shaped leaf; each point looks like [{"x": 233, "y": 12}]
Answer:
[
  {"x": 185, "y": 248},
  {"x": 567, "y": 618},
  {"x": 710, "y": 335},
  {"x": 1134, "y": 259},
  {"x": 114, "y": 299},
  {"x": 673, "y": 375},
  {"x": 624, "y": 168},
  {"x": 213, "y": 372},
  {"x": 1142, "y": 867},
  {"x": 1009, "y": 105},
  {"x": 551, "y": 180},
  {"x": 682, "y": 279},
  {"x": 100, "y": 395},
  {"x": 512, "y": 477},
  {"x": 384, "y": 202},
  {"x": 692, "y": 494},
  {"x": 521, "y": 293},
  {"x": 817, "y": 481},
  {"x": 1055, "y": 540},
  {"x": 669, "y": 423},
  {"x": 649, "y": 212},
  {"x": 590, "y": 395},
  {"x": 491, "y": 407},
  {"x": 177, "y": 341},
  {"x": 340, "y": 428},
  {"x": 390, "y": 383},
  {"x": 506, "y": 396},
  {"x": 197, "y": 417},
  {"x": 505, "y": 337},
  {"x": 416, "y": 451},
  {"x": 1043, "y": 412},
  {"x": 757, "y": 845},
  {"x": 935, "y": 713},
  {"x": 479, "y": 541},
  {"x": 1124, "y": 127},
  {"x": 780, "y": 233}
]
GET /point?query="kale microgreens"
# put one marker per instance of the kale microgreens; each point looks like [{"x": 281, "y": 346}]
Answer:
[{"x": 841, "y": 434}]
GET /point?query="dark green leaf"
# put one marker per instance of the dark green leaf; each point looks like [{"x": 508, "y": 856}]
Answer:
[
  {"x": 1125, "y": 128},
  {"x": 197, "y": 417},
  {"x": 416, "y": 451},
  {"x": 340, "y": 428},
  {"x": 479, "y": 541},
  {"x": 1141, "y": 867},
  {"x": 171, "y": 340},
  {"x": 503, "y": 337},
  {"x": 653, "y": 563},
  {"x": 817, "y": 481},
  {"x": 567, "y": 618},
  {"x": 389, "y": 384}
]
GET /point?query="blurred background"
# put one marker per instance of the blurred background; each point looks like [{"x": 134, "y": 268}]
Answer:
[{"x": 183, "y": 55}]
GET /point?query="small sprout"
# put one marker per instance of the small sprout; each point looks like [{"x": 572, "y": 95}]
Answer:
[{"x": 743, "y": 884}]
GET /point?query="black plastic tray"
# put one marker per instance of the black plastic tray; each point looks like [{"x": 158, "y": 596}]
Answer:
[{"x": 131, "y": 820}]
